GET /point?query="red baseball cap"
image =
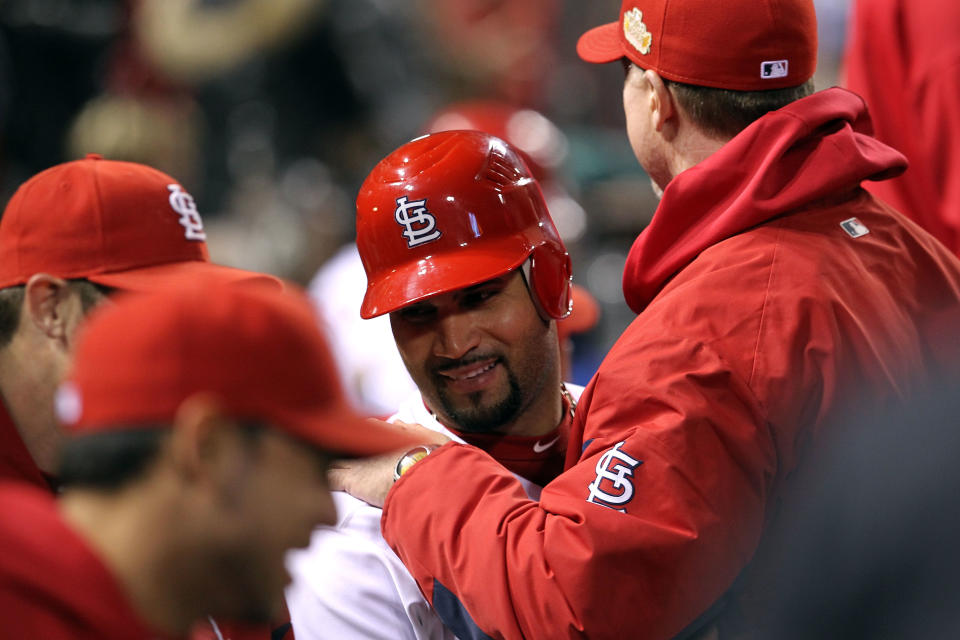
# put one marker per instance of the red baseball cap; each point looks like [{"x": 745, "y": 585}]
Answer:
[
  {"x": 743, "y": 45},
  {"x": 255, "y": 350},
  {"x": 119, "y": 224}
]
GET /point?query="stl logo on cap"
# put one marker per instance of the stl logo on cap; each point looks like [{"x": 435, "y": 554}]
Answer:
[
  {"x": 420, "y": 223},
  {"x": 186, "y": 207},
  {"x": 635, "y": 31}
]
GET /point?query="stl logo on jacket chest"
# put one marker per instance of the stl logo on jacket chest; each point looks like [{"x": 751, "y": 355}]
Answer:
[{"x": 613, "y": 486}]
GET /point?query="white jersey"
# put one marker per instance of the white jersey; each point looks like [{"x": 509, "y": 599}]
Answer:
[
  {"x": 369, "y": 364},
  {"x": 349, "y": 584}
]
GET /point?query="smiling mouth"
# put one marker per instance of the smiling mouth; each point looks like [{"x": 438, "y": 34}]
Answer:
[{"x": 469, "y": 371}]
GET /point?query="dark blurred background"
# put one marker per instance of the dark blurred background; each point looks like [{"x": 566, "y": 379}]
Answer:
[{"x": 271, "y": 112}]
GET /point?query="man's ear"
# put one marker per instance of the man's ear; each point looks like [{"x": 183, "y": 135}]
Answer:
[
  {"x": 196, "y": 430},
  {"x": 663, "y": 109},
  {"x": 208, "y": 449},
  {"x": 48, "y": 305}
]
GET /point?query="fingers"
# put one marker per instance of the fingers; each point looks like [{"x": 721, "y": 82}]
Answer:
[
  {"x": 368, "y": 479},
  {"x": 337, "y": 475}
]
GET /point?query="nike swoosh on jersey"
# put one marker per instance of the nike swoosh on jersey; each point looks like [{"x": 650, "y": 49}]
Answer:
[{"x": 540, "y": 448}]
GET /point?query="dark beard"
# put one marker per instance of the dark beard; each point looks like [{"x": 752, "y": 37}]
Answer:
[{"x": 478, "y": 419}]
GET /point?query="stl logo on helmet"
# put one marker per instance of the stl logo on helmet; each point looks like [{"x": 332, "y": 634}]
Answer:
[
  {"x": 184, "y": 204},
  {"x": 419, "y": 223},
  {"x": 612, "y": 487}
]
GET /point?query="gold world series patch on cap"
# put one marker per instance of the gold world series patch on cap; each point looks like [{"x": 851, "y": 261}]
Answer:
[{"x": 635, "y": 31}]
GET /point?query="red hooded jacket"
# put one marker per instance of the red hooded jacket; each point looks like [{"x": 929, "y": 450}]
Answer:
[
  {"x": 775, "y": 297},
  {"x": 52, "y": 585}
]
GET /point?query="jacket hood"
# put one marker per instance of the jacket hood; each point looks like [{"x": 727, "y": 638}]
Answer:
[{"x": 815, "y": 148}]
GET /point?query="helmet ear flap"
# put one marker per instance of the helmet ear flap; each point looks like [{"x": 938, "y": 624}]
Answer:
[{"x": 549, "y": 275}]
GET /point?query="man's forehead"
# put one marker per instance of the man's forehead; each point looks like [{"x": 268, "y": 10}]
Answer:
[
  {"x": 501, "y": 279},
  {"x": 451, "y": 296}
]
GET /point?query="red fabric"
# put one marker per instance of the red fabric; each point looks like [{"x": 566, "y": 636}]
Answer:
[
  {"x": 751, "y": 183},
  {"x": 903, "y": 57},
  {"x": 761, "y": 326},
  {"x": 15, "y": 461},
  {"x": 52, "y": 585},
  {"x": 203, "y": 339}
]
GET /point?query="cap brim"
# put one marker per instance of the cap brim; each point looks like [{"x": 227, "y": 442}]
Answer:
[
  {"x": 342, "y": 432},
  {"x": 177, "y": 274},
  {"x": 432, "y": 276},
  {"x": 601, "y": 44}
]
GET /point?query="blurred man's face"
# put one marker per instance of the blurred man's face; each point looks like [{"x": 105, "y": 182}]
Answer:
[
  {"x": 479, "y": 355},
  {"x": 282, "y": 496}
]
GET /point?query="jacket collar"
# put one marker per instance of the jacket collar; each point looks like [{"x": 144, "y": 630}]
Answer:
[{"x": 814, "y": 149}]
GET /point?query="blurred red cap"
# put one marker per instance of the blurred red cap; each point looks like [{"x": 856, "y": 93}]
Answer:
[{"x": 256, "y": 351}]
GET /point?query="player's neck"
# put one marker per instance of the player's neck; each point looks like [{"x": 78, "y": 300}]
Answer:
[
  {"x": 691, "y": 147},
  {"x": 28, "y": 380},
  {"x": 127, "y": 533},
  {"x": 543, "y": 414}
]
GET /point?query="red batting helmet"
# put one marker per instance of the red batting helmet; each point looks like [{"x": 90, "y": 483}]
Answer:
[
  {"x": 450, "y": 210},
  {"x": 541, "y": 144}
]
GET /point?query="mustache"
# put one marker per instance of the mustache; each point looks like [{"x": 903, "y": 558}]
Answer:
[{"x": 446, "y": 364}]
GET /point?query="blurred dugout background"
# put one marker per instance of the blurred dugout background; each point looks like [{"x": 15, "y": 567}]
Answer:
[{"x": 271, "y": 112}]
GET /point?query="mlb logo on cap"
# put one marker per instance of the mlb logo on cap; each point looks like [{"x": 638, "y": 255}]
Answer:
[
  {"x": 854, "y": 228},
  {"x": 774, "y": 69}
]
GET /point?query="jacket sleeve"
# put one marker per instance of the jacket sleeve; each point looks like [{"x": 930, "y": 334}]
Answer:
[{"x": 637, "y": 538}]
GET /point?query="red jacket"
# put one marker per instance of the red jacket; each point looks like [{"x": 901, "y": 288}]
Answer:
[
  {"x": 761, "y": 322},
  {"x": 52, "y": 585},
  {"x": 903, "y": 57}
]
